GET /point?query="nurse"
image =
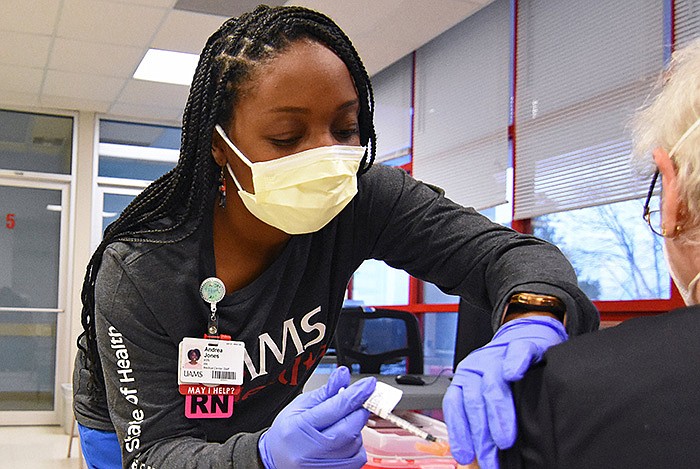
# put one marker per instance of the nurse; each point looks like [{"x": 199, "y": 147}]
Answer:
[{"x": 247, "y": 246}]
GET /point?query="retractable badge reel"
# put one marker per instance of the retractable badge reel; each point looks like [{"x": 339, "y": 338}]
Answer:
[
  {"x": 210, "y": 369},
  {"x": 212, "y": 290}
]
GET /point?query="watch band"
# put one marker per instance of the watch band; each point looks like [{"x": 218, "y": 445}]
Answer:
[{"x": 526, "y": 302}]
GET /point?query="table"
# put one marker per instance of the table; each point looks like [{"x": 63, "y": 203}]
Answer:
[{"x": 415, "y": 397}]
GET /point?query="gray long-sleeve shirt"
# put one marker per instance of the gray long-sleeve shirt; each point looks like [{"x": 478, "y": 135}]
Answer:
[{"x": 147, "y": 301}]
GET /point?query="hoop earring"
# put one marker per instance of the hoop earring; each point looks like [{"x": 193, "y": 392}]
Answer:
[{"x": 222, "y": 189}]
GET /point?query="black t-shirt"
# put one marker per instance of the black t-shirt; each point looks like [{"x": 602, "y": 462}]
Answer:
[{"x": 147, "y": 300}]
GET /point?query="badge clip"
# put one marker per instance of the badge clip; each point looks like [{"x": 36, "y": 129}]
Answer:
[{"x": 218, "y": 337}]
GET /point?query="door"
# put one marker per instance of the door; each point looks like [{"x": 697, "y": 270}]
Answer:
[{"x": 32, "y": 305}]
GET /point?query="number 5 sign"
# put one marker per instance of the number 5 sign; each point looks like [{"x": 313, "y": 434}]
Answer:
[{"x": 10, "y": 221}]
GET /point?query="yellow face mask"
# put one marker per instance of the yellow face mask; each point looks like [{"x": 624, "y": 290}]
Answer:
[{"x": 300, "y": 193}]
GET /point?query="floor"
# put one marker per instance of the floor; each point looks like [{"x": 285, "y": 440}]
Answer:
[{"x": 43, "y": 447}]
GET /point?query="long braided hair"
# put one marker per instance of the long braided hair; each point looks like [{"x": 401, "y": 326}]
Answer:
[{"x": 184, "y": 194}]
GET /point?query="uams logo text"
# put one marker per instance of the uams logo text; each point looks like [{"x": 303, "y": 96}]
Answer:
[{"x": 289, "y": 330}]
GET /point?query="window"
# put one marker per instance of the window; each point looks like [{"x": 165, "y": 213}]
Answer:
[
  {"x": 131, "y": 156},
  {"x": 393, "y": 111},
  {"x": 686, "y": 21},
  {"x": 454, "y": 81},
  {"x": 462, "y": 106},
  {"x": 615, "y": 254},
  {"x": 374, "y": 282},
  {"x": 439, "y": 338},
  {"x": 137, "y": 151},
  {"x": 577, "y": 85},
  {"x": 440, "y": 328},
  {"x": 35, "y": 142}
]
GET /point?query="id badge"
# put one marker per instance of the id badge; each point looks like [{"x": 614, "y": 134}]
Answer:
[{"x": 210, "y": 362}]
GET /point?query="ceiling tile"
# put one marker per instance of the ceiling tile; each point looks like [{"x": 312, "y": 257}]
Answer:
[
  {"x": 21, "y": 79},
  {"x": 27, "y": 50},
  {"x": 424, "y": 20},
  {"x": 345, "y": 13},
  {"x": 29, "y": 16},
  {"x": 223, "y": 8},
  {"x": 13, "y": 98},
  {"x": 79, "y": 104},
  {"x": 150, "y": 93},
  {"x": 100, "y": 59},
  {"x": 152, "y": 3},
  {"x": 171, "y": 116},
  {"x": 82, "y": 85},
  {"x": 184, "y": 31},
  {"x": 109, "y": 22}
]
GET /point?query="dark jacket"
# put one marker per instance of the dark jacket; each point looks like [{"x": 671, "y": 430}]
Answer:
[{"x": 623, "y": 397}]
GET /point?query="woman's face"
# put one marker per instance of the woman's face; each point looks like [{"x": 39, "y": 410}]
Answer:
[{"x": 302, "y": 99}]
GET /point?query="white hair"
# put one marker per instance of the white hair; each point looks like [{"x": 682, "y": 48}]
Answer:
[{"x": 667, "y": 117}]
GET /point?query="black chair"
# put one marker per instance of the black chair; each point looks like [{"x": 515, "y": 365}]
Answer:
[{"x": 374, "y": 337}]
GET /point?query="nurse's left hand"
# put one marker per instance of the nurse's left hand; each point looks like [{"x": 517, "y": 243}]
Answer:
[{"x": 478, "y": 406}]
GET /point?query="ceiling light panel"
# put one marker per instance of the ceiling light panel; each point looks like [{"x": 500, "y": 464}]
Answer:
[{"x": 166, "y": 66}]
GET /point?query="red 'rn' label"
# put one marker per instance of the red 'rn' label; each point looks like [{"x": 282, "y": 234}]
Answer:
[{"x": 210, "y": 406}]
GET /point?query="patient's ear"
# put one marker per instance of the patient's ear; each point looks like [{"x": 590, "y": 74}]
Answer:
[{"x": 672, "y": 207}]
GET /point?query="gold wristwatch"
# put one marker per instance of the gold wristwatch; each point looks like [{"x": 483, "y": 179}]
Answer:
[{"x": 528, "y": 302}]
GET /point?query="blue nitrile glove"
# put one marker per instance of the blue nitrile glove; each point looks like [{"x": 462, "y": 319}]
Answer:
[
  {"x": 478, "y": 405},
  {"x": 321, "y": 428}
]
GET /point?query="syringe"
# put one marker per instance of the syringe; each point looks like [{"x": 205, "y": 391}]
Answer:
[
  {"x": 382, "y": 402},
  {"x": 408, "y": 426}
]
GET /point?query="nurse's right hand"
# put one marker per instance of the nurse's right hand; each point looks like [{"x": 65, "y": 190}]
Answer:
[{"x": 320, "y": 428}]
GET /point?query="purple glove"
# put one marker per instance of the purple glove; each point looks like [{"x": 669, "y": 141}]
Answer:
[
  {"x": 320, "y": 428},
  {"x": 478, "y": 406}
]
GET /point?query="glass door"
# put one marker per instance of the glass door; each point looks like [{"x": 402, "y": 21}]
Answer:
[{"x": 33, "y": 227}]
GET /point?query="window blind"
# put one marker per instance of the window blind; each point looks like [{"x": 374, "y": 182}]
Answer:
[
  {"x": 582, "y": 69},
  {"x": 686, "y": 21},
  {"x": 462, "y": 109},
  {"x": 392, "y": 113}
]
